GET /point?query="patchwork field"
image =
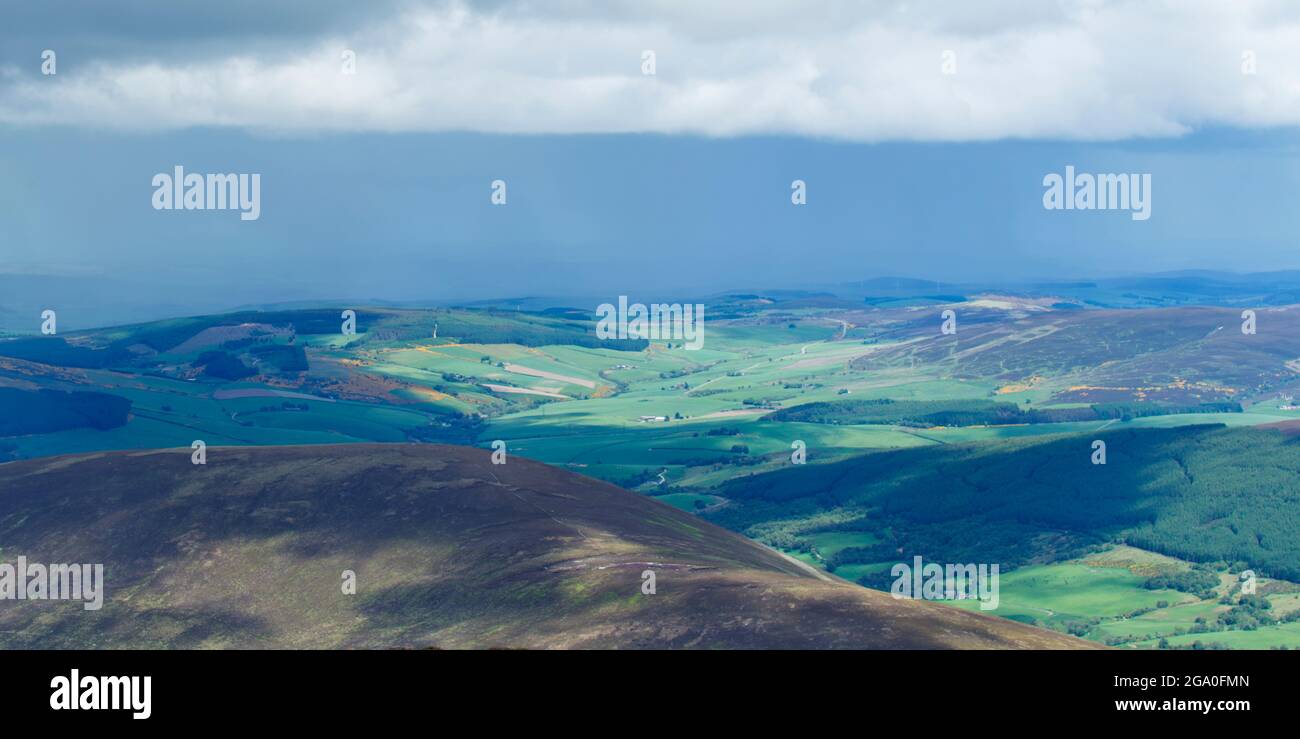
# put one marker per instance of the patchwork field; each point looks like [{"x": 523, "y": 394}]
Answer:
[{"x": 701, "y": 430}]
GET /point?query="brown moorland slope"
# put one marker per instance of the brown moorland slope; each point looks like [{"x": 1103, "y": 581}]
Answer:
[{"x": 449, "y": 551}]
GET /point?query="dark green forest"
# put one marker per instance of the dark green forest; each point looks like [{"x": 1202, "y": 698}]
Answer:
[
  {"x": 45, "y": 411},
  {"x": 926, "y": 413},
  {"x": 1201, "y": 493}
]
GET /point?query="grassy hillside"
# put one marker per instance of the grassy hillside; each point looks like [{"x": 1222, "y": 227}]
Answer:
[
  {"x": 449, "y": 550},
  {"x": 1201, "y": 493},
  {"x": 1179, "y": 355},
  {"x": 973, "y": 447},
  {"x": 1150, "y": 550},
  {"x": 842, "y": 379}
]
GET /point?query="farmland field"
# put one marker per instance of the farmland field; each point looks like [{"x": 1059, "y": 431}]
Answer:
[{"x": 873, "y": 402}]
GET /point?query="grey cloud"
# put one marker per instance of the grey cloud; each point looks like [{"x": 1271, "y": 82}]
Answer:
[{"x": 836, "y": 69}]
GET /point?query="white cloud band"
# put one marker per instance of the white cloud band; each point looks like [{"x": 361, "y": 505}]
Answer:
[{"x": 870, "y": 72}]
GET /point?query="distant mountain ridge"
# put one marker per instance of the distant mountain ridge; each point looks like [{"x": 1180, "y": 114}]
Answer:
[{"x": 93, "y": 302}]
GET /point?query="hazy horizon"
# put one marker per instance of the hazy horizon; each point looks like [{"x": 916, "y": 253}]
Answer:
[{"x": 644, "y": 151}]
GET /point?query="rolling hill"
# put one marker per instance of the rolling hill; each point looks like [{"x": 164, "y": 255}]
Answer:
[
  {"x": 1184, "y": 538},
  {"x": 1202, "y": 493},
  {"x": 1185, "y": 355},
  {"x": 449, "y": 551}
]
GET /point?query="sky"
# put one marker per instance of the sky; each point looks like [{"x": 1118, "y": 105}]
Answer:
[{"x": 923, "y": 132}]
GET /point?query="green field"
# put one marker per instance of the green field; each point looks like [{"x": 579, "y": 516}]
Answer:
[
  {"x": 695, "y": 429},
  {"x": 1103, "y": 598}
]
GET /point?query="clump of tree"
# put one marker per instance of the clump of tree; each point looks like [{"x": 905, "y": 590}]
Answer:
[
  {"x": 1197, "y": 580},
  {"x": 25, "y": 412},
  {"x": 223, "y": 366},
  {"x": 453, "y": 428},
  {"x": 283, "y": 357}
]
